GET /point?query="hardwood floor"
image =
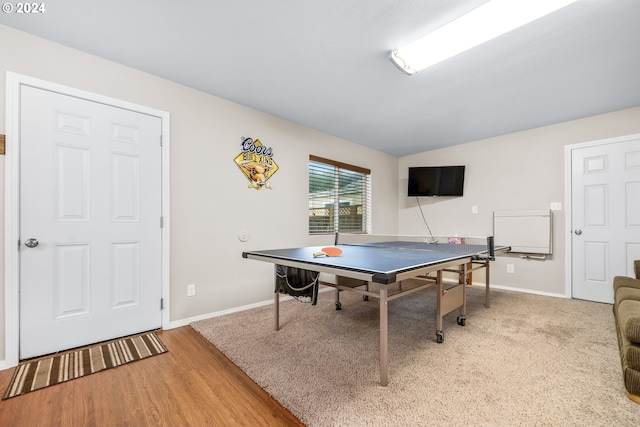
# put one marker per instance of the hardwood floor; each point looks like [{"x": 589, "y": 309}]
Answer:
[{"x": 193, "y": 384}]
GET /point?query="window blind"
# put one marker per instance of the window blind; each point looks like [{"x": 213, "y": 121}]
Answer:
[{"x": 339, "y": 197}]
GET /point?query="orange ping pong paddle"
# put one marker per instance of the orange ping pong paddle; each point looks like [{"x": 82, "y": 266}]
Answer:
[{"x": 328, "y": 251}]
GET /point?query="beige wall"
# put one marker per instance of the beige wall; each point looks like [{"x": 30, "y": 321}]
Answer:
[
  {"x": 520, "y": 171},
  {"x": 210, "y": 198}
]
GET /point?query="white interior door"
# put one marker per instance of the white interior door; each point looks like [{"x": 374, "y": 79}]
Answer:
[
  {"x": 605, "y": 220},
  {"x": 90, "y": 198}
]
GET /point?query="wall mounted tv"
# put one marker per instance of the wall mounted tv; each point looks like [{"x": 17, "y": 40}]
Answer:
[{"x": 435, "y": 181}]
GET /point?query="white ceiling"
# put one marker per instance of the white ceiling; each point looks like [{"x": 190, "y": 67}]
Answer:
[{"x": 324, "y": 63}]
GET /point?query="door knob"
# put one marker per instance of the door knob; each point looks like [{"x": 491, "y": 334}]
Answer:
[
  {"x": 578, "y": 232},
  {"x": 31, "y": 243}
]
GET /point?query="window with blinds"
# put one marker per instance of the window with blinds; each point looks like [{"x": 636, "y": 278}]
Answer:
[{"x": 339, "y": 197}]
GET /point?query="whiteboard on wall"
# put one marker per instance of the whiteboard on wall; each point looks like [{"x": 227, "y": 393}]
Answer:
[{"x": 524, "y": 231}]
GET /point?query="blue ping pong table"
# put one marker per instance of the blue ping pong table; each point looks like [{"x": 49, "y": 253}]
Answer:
[{"x": 375, "y": 266}]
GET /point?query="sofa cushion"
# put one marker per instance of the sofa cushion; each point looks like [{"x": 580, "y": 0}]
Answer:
[
  {"x": 629, "y": 318},
  {"x": 624, "y": 293},
  {"x": 625, "y": 282}
]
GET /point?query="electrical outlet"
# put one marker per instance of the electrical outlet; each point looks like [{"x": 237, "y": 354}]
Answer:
[
  {"x": 510, "y": 268},
  {"x": 474, "y": 209},
  {"x": 555, "y": 206},
  {"x": 191, "y": 290}
]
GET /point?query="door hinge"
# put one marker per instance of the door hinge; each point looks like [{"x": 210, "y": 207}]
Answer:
[
  {"x": 19, "y": 244},
  {"x": 162, "y": 222},
  {"x": 161, "y": 303},
  {"x": 161, "y": 144}
]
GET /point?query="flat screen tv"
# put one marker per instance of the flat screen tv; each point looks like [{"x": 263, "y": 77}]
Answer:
[{"x": 436, "y": 181}]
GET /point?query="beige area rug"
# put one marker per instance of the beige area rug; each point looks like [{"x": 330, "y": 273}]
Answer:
[
  {"x": 529, "y": 360},
  {"x": 44, "y": 372}
]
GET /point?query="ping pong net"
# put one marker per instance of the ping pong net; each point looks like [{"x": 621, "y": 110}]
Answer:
[{"x": 477, "y": 247}]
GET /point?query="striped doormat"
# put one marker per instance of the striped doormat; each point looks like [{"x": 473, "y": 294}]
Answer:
[{"x": 58, "y": 368}]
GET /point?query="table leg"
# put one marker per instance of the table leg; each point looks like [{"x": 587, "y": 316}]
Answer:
[
  {"x": 439, "y": 292},
  {"x": 463, "y": 309},
  {"x": 276, "y": 309},
  {"x": 276, "y": 299},
  {"x": 384, "y": 341},
  {"x": 487, "y": 302}
]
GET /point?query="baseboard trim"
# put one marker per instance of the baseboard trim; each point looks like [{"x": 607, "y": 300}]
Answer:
[
  {"x": 188, "y": 321},
  {"x": 527, "y": 291}
]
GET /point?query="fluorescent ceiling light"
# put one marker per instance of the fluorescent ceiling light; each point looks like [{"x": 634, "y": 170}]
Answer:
[{"x": 484, "y": 23}]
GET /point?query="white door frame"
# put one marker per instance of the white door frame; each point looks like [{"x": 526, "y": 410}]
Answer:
[
  {"x": 11, "y": 201},
  {"x": 568, "y": 257}
]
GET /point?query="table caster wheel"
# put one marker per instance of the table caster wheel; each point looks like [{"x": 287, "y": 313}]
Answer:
[
  {"x": 462, "y": 320},
  {"x": 338, "y": 306},
  {"x": 439, "y": 337}
]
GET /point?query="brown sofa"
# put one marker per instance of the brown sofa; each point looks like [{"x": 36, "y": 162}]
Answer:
[{"x": 626, "y": 310}]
